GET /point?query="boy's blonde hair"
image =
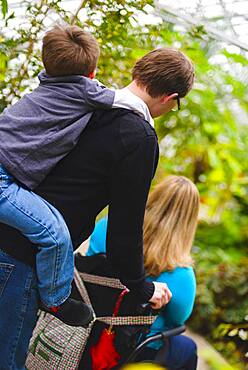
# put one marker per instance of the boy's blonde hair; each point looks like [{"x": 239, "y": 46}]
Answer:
[
  {"x": 170, "y": 223},
  {"x": 69, "y": 50}
]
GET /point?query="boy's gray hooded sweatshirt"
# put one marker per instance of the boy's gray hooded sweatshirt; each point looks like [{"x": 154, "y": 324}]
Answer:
[{"x": 41, "y": 128}]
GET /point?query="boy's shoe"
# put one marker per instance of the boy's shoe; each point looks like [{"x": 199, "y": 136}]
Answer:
[{"x": 71, "y": 312}]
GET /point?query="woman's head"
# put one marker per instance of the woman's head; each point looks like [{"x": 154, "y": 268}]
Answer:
[{"x": 170, "y": 224}]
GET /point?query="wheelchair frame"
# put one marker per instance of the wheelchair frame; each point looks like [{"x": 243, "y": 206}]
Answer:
[
  {"x": 154, "y": 338},
  {"x": 151, "y": 339}
]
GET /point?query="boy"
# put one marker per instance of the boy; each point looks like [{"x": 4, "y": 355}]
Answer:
[{"x": 35, "y": 134}]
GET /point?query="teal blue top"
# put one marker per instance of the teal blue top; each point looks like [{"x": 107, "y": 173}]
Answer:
[{"x": 181, "y": 282}]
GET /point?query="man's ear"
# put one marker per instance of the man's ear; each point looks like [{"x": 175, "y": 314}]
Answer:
[
  {"x": 92, "y": 74},
  {"x": 166, "y": 98}
]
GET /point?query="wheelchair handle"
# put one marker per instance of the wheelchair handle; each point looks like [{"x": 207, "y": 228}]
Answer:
[
  {"x": 172, "y": 332},
  {"x": 154, "y": 338}
]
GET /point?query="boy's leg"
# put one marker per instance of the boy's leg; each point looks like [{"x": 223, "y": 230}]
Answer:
[
  {"x": 44, "y": 226},
  {"x": 18, "y": 311}
]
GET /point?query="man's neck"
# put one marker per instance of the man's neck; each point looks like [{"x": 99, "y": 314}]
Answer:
[{"x": 140, "y": 92}]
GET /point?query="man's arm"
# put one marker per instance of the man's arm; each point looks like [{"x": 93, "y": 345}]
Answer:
[{"x": 130, "y": 185}]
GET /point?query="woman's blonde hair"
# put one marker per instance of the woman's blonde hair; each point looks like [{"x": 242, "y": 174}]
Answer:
[{"x": 170, "y": 223}]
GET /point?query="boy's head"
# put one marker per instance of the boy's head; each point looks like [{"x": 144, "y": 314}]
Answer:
[
  {"x": 69, "y": 50},
  {"x": 166, "y": 75}
]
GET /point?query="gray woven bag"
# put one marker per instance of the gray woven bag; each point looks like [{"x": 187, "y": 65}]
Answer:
[{"x": 57, "y": 346}]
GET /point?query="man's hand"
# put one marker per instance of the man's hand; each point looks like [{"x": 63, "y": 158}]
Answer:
[{"x": 161, "y": 295}]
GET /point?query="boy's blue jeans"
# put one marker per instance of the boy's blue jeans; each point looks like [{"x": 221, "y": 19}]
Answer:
[
  {"x": 18, "y": 311},
  {"x": 44, "y": 226}
]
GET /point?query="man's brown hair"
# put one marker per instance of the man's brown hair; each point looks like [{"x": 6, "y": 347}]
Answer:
[
  {"x": 69, "y": 50},
  {"x": 163, "y": 72}
]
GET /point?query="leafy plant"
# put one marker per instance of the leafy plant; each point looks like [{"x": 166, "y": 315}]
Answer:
[
  {"x": 4, "y": 5},
  {"x": 206, "y": 141},
  {"x": 221, "y": 309}
]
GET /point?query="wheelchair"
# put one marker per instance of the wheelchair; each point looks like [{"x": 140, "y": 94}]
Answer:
[
  {"x": 117, "y": 314},
  {"x": 130, "y": 339}
]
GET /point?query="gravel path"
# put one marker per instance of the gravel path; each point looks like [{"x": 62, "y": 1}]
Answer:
[{"x": 206, "y": 351}]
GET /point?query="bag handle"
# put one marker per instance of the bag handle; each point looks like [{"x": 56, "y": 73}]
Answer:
[
  {"x": 110, "y": 320},
  {"x": 81, "y": 288},
  {"x": 102, "y": 280},
  {"x": 127, "y": 320}
]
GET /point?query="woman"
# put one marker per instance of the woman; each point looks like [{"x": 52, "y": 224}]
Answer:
[{"x": 169, "y": 228}]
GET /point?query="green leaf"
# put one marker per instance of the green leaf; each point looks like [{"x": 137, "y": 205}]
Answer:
[
  {"x": 238, "y": 58},
  {"x": 4, "y": 7}
]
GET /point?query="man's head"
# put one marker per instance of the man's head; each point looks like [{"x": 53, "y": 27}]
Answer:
[
  {"x": 163, "y": 74},
  {"x": 69, "y": 51}
]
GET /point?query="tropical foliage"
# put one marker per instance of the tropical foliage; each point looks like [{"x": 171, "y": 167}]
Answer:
[{"x": 206, "y": 141}]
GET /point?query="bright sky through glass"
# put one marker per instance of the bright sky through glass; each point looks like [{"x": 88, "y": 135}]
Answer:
[{"x": 229, "y": 16}]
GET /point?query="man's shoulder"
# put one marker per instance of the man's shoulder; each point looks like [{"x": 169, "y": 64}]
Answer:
[
  {"x": 135, "y": 121},
  {"x": 125, "y": 121},
  {"x": 124, "y": 128}
]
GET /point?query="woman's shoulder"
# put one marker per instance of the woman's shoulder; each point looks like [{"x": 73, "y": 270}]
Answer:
[
  {"x": 179, "y": 279},
  {"x": 178, "y": 272}
]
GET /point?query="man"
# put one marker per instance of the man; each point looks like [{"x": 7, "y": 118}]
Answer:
[{"x": 112, "y": 164}]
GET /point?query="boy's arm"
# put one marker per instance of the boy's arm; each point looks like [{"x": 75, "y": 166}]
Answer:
[
  {"x": 96, "y": 95},
  {"x": 128, "y": 195}
]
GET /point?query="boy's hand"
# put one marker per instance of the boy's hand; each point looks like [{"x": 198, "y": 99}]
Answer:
[{"x": 161, "y": 295}]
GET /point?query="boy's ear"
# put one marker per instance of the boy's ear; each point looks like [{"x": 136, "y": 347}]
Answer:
[
  {"x": 92, "y": 74},
  {"x": 166, "y": 98}
]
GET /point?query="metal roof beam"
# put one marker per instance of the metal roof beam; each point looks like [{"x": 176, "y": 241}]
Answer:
[{"x": 162, "y": 11}]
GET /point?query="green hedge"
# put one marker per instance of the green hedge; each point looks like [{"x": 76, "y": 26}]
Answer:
[{"x": 221, "y": 308}]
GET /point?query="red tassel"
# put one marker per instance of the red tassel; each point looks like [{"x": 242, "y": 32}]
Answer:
[{"x": 104, "y": 355}]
